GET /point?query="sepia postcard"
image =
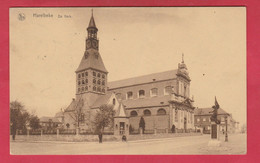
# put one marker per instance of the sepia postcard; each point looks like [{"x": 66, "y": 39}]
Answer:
[{"x": 128, "y": 81}]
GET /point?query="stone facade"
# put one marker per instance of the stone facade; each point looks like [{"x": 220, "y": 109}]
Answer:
[{"x": 162, "y": 99}]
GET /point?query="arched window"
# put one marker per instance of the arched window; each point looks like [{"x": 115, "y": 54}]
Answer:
[
  {"x": 129, "y": 95},
  {"x": 133, "y": 113},
  {"x": 94, "y": 73},
  {"x": 99, "y": 89},
  {"x": 147, "y": 112},
  {"x": 86, "y": 88},
  {"x": 98, "y": 75},
  {"x": 83, "y": 82},
  {"x": 86, "y": 80},
  {"x": 78, "y": 82},
  {"x": 154, "y": 92},
  {"x": 103, "y": 82},
  {"x": 114, "y": 101},
  {"x": 79, "y": 76},
  {"x": 141, "y": 93},
  {"x": 168, "y": 90},
  {"x": 94, "y": 88},
  {"x": 103, "y": 90},
  {"x": 103, "y": 76},
  {"x": 94, "y": 81},
  {"x": 98, "y": 82},
  {"x": 161, "y": 112},
  {"x": 86, "y": 73},
  {"x": 185, "y": 89},
  {"x": 82, "y": 74}
]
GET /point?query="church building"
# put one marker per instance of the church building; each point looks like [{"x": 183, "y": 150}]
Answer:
[{"x": 162, "y": 99}]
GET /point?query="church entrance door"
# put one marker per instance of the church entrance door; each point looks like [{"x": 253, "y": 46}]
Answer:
[{"x": 122, "y": 128}]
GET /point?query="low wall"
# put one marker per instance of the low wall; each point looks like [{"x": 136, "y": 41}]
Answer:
[
  {"x": 158, "y": 136},
  {"x": 68, "y": 138},
  {"x": 94, "y": 138}
]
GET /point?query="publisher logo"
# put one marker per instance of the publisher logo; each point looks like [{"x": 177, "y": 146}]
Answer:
[{"x": 21, "y": 16}]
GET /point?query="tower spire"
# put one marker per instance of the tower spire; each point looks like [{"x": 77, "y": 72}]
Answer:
[{"x": 92, "y": 23}]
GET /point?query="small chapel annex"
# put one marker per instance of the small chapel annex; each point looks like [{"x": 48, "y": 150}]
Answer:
[{"x": 162, "y": 99}]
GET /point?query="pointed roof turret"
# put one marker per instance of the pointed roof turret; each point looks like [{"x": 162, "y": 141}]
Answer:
[
  {"x": 92, "y": 23},
  {"x": 121, "y": 111},
  {"x": 182, "y": 69}
]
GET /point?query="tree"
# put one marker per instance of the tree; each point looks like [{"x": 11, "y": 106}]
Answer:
[
  {"x": 34, "y": 122},
  {"x": 104, "y": 118},
  {"x": 18, "y": 117},
  {"x": 79, "y": 114},
  {"x": 142, "y": 123}
]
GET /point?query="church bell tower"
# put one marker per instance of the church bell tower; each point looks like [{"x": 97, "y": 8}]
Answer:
[{"x": 91, "y": 75}]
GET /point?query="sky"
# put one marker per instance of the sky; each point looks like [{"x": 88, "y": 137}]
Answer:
[{"x": 46, "y": 51}]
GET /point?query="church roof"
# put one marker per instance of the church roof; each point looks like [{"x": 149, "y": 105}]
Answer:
[
  {"x": 72, "y": 106},
  {"x": 59, "y": 114},
  {"x": 147, "y": 102},
  {"x": 104, "y": 99},
  {"x": 206, "y": 111},
  {"x": 91, "y": 59},
  {"x": 143, "y": 79},
  {"x": 120, "y": 111}
]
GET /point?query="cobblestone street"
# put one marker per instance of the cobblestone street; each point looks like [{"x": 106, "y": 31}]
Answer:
[{"x": 176, "y": 145}]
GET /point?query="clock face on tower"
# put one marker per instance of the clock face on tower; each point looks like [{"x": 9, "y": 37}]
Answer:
[
  {"x": 88, "y": 43},
  {"x": 94, "y": 44}
]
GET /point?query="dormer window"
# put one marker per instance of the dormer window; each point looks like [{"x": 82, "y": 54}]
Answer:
[{"x": 141, "y": 93}]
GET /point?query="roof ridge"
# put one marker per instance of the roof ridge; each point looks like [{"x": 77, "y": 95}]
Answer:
[{"x": 143, "y": 75}]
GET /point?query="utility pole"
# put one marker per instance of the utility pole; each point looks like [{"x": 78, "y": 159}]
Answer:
[{"x": 226, "y": 135}]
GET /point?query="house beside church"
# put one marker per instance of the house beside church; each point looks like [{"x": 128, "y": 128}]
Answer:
[
  {"x": 162, "y": 99},
  {"x": 202, "y": 120}
]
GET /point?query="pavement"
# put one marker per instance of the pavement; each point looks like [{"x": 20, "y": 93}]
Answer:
[{"x": 165, "y": 146}]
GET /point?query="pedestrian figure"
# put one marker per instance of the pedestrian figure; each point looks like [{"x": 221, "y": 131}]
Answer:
[
  {"x": 173, "y": 128},
  {"x": 124, "y": 138},
  {"x": 100, "y": 137}
]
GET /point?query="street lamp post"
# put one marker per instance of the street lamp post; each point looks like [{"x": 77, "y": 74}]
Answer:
[{"x": 226, "y": 135}]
